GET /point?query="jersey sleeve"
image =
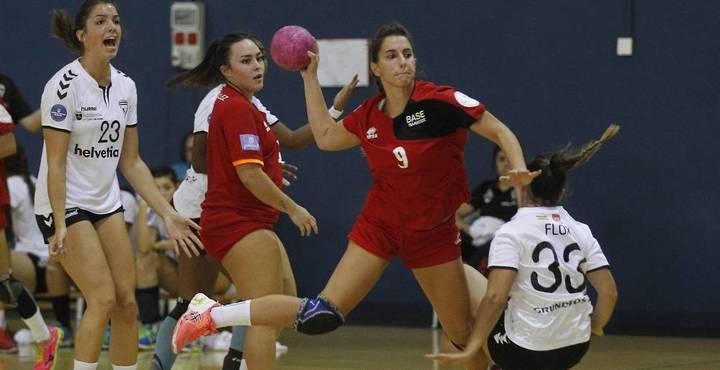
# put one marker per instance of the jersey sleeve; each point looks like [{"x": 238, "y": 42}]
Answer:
[
  {"x": 7, "y": 123},
  {"x": 504, "y": 251},
  {"x": 132, "y": 119},
  {"x": 17, "y": 106},
  {"x": 464, "y": 110},
  {"x": 355, "y": 121},
  {"x": 241, "y": 134},
  {"x": 204, "y": 110},
  {"x": 58, "y": 107},
  {"x": 595, "y": 257},
  {"x": 270, "y": 118}
]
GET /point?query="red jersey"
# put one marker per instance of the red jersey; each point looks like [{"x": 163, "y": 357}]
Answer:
[
  {"x": 6, "y": 126},
  {"x": 416, "y": 158},
  {"x": 238, "y": 135}
]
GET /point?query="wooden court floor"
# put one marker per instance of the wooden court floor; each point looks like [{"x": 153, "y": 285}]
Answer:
[{"x": 367, "y": 347}]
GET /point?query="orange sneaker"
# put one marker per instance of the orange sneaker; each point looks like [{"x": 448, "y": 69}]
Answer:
[
  {"x": 195, "y": 322},
  {"x": 45, "y": 352}
]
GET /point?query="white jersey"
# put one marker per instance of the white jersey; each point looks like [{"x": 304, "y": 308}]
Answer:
[
  {"x": 549, "y": 307},
  {"x": 191, "y": 192},
  {"x": 28, "y": 238},
  {"x": 96, "y": 118}
]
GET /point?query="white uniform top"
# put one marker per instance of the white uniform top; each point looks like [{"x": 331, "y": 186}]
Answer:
[
  {"x": 96, "y": 118},
  {"x": 28, "y": 237},
  {"x": 549, "y": 307},
  {"x": 191, "y": 192}
]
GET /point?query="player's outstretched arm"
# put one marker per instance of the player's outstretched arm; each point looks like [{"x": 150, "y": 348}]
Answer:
[{"x": 604, "y": 283}]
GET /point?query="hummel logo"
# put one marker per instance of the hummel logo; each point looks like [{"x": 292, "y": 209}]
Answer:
[
  {"x": 371, "y": 133},
  {"x": 62, "y": 91},
  {"x": 500, "y": 338},
  {"x": 47, "y": 220}
]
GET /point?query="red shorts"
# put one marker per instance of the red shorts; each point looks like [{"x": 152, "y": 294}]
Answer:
[
  {"x": 217, "y": 245},
  {"x": 416, "y": 248}
]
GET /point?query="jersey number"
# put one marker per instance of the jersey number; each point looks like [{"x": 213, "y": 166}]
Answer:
[
  {"x": 401, "y": 156},
  {"x": 114, "y": 129},
  {"x": 554, "y": 267}
]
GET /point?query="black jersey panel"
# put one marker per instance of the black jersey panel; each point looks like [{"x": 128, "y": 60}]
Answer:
[{"x": 427, "y": 119}]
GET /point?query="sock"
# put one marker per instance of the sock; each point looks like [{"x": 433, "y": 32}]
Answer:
[
  {"x": 2, "y": 319},
  {"x": 148, "y": 302},
  {"x": 164, "y": 358},
  {"x": 125, "y": 367},
  {"x": 79, "y": 365},
  {"x": 232, "y": 314},
  {"x": 61, "y": 308},
  {"x": 31, "y": 316},
  {"x": 233, "y": 359},
  {"x": 238, "y": 338}
]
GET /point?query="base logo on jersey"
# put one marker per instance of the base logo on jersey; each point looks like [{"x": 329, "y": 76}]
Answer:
[
  {"x": 123, "y": 105},
  {"x": 58, "y": 112},
  {"x": 249, "y": 142},
  {"x": 371, "y": 133},
  {"x": 465, "y": 100},
  {"x": 416, "y": 118}
]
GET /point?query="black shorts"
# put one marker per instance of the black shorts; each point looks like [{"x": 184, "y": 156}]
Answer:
[
  {"x": 510, "y": 356},
  {"x": 40, "y": 280},
  {"x": 72, "y": 216}
]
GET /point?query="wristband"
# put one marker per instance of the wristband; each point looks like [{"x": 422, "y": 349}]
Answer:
[{"x": 334, "y": 113}]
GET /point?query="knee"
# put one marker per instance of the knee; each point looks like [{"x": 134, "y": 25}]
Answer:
[
  {"x": 103, "y": 303},
  {"x": 125, "y": 306},
  {"x": 318, "y": 316}
]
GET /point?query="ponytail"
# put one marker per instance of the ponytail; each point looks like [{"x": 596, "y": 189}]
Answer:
[{"x": 549, "y": 187}]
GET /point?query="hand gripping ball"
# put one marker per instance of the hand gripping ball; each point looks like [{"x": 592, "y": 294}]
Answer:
[{"x": 289, "y": 47}]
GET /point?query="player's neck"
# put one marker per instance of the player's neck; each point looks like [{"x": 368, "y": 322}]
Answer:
[
  {"x": 396, "y": 99},
  {"x": 97, "y": 69}
]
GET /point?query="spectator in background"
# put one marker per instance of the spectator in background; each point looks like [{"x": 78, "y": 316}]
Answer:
[
  {"x": 20, "y": 111},
  {"x": 493, "y": 203}
]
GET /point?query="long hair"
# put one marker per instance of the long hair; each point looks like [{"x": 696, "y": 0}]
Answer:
[
  {"x": 64, "y": 29},
  {"x": 386, "y": 30},
  {"x": 549, "y": 187},
  {"x": 207, "y": 73}
]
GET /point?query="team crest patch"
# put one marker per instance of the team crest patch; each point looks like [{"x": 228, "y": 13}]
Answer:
[
  {"x": 249, "y": 142},
  {"x": 58, "y": 112},
  {"x": 123, "y": 105},
  {"x": 556, "y": 217},
  {"x": 465, "y": 100}
]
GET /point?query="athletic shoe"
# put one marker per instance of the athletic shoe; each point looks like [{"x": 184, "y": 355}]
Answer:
[
  {"x": 7, "y": 344},
  {"x": 195, "y": 322},
  {"x": 146, "y": 337},
  {"x": 45, "y": 351}
]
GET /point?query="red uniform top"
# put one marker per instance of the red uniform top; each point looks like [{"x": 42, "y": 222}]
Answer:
[
  {"x": 416, "y": 158},
  {"x": 238, "y": 135},
  {"x": 6, "y": 126}
]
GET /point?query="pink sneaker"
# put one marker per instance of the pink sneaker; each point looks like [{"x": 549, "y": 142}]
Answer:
[
  {"x": 45, "y": 352},
  {"x": 194, "y": 323}
]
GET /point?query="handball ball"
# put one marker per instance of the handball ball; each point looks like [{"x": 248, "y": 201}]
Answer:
[{"x": 289, "y": 47}]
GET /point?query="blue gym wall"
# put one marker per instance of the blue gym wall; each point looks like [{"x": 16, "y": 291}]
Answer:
[{"x": 547, "y": 69}]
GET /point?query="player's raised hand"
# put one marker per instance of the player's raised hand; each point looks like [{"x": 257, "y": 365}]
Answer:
[
  {"x": 179, "y": 230},
  {"x": 304, "y": 221},
  {"x": 343, "y": 96}
]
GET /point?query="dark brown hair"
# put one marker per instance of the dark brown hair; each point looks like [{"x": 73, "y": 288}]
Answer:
[
  {"x": 548, "y": 188},
  {"x": 207, "y": 73},
  {"x": 64, "y": 29},
  {"x": 388, "y": 29}
]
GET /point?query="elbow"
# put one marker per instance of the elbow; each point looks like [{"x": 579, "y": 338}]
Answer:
[
  {"x": 324, "y": 145},
  {"x": 495, "y": 299}
]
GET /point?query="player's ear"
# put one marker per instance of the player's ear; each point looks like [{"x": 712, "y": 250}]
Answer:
[
  {"x": 375, "y": 69},
  {"x": 80, "y": 34}
]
